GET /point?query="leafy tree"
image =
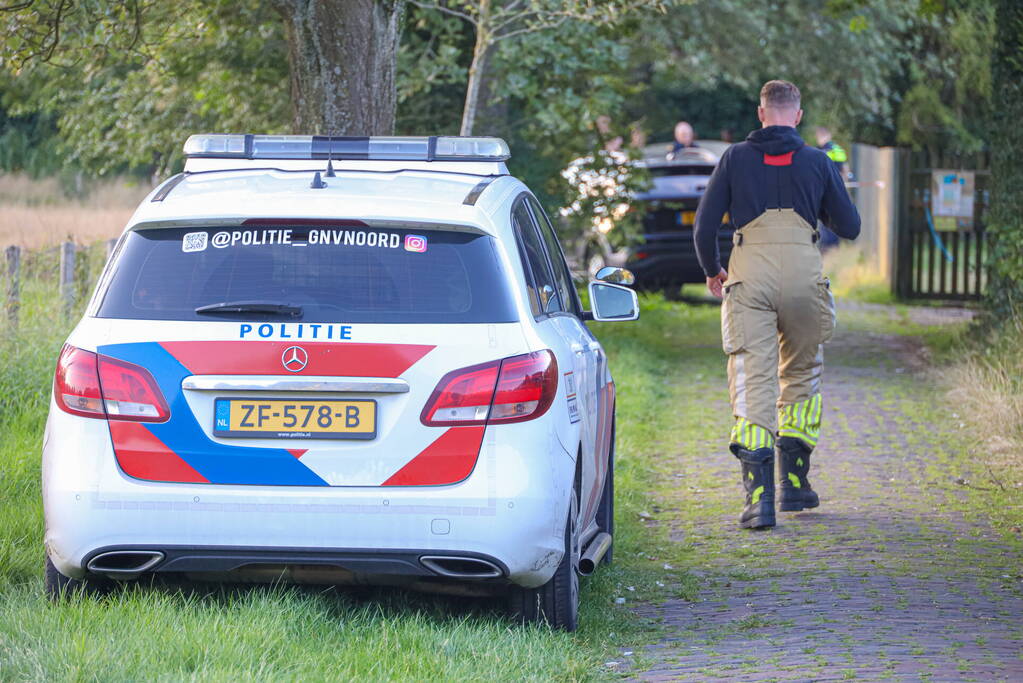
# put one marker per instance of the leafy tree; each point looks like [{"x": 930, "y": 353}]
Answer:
[
  {"x": 193, "y": 61},
  {"x": 29, "y": 143},
  {"x": 431, "y": 73},
  {"x": 497, "y": 21},
  {"x": 946, "y": 104},
  {"x": 844, "y": 56},
  {"x": 121, "y": 99}
]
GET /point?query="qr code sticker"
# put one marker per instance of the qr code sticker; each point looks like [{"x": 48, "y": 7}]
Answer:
[{"x": 194, "y": 241}]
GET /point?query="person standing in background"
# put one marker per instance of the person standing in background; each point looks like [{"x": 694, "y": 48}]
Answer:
[
  {"x": 838, "y": 156},
  {"x": 834, "y": 151},
  {"x": 684, "y": 139}
]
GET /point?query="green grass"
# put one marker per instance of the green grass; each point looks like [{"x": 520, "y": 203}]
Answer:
[{"x": 215, "y": 632}]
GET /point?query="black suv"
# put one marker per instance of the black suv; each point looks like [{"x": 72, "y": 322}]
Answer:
[{"x": 667, "y": 258}]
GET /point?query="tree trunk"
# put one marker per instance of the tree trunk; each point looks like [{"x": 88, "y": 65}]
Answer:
[
  {"x": 342, "y": 55},
  {"x": 1005, "y": 218},
  {"x": 479, "y": 60}
]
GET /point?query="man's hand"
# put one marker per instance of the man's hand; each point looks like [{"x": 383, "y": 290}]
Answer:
[{"x": 714, "y": 284}]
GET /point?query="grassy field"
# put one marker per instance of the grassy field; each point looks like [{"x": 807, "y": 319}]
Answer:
[{"x": 43, "y": 213}]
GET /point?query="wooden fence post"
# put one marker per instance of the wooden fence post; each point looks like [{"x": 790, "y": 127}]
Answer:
[
  {"x": 13, "y": 254},
  {"x": 67, "y": 276}
]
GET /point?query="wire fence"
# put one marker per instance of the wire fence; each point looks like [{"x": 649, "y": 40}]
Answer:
[
  {"x": 42, "y": 294},
  {"x": 56, "y": 281}
]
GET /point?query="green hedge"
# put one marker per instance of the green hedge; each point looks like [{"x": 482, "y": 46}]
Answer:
[{"x": 1005, "y": 289}]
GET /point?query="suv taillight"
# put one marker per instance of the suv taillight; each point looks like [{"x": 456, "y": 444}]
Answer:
[
  {"x": 515, "y": 389},
  {"x": 94, "y": 385},
  {"x": 76, "y": 385}
]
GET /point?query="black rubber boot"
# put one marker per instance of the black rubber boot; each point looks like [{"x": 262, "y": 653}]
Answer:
[
  {"x": 758, "y": 478},
  {"x": 794, "y": 465}
]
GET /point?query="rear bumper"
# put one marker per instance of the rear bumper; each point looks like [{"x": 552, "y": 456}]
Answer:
[
  {"x": 330, "y": 565},
  {"x": 510, "y": 511}
]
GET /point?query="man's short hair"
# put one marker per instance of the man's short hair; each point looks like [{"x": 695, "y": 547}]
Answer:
[{"x": 780, "y": 95}]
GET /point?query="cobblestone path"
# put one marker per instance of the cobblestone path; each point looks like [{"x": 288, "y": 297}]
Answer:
[{"x": 892, "y": 578}]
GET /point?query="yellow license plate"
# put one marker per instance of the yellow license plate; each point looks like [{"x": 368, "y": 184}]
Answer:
[
  {"x": 295, "y": 419},
  {"x": 686, "y": 217}
]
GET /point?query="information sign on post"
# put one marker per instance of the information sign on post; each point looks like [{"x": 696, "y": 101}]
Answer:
[{"x": 952, "y": 199}]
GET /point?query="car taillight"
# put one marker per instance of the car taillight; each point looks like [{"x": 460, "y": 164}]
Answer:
[
  {"x": 462, "y": 397},
  {"x": 94, "y": 385},
  {"x": 526, "y": 387},
  {"x": 76, "y": 384},
  {"x": 130, "y": 392},
  {"x": 511, "y": 390}
]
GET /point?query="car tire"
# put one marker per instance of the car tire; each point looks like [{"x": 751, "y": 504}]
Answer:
[
  {"x": 58, "y": 586},
  {"x": 606, "y": 508},
  {"x": 556, "y": 603}
]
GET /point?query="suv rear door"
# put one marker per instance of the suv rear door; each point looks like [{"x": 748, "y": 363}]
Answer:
[{"x": 303, "y": 354}]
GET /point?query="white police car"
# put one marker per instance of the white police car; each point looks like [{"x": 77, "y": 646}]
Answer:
[{"x": 338, "y": 360}]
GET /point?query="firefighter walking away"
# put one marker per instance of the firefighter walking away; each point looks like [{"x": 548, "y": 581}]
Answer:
[{"x": 778, "y": 310}]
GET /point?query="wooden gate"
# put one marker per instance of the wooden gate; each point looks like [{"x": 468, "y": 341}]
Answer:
[{"x": 943, "y": 203}]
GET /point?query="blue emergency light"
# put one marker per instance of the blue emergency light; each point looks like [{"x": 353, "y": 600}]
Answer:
[{"x": 427, "y": 148}]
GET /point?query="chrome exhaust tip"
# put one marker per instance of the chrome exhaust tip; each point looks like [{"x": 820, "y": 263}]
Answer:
[
  {"x": 124, "y": 564},
  {"x": 461, "y": 567},
  {"x": 594, "y": 553}
]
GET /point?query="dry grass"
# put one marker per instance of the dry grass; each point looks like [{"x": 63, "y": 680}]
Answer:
[
  {"x": 988, "y": 386},
  {"x": 40, "y": 213}
]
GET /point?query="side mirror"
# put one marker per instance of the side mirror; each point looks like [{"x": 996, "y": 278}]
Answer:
[
  {"x": 616, "y": 276},
  {"x": 613, "y": 302}
]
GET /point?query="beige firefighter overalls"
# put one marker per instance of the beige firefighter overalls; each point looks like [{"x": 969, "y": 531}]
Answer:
[{"x": 777, "y": 313}]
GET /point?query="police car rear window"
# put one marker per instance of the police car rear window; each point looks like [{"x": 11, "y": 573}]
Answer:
[{"x": 349, "y": 274}]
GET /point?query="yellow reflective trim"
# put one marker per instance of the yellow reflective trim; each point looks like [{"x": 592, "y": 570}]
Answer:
[
  {"x": 751, "y": 436},
  {"x": 803, "y": 420},
  {"x": 795, "y": 480},
  {"x": 756, "y": 495},
  {"x": 805, "y": 436}
]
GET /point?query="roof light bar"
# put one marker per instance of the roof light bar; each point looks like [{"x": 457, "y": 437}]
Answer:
[{"x": 432, "y": 148}]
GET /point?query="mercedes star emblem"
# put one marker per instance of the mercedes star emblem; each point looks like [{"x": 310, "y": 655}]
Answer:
[{"x": 294, "y": 359}]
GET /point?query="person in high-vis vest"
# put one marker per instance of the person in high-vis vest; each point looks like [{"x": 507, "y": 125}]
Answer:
[
  {"x": 778, "y": 309},
  {"x": 834, "y": 151},
  {"x": 837, "y": 154}
]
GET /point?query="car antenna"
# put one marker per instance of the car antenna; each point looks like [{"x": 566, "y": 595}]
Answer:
[{"x": 330, "y": 157}]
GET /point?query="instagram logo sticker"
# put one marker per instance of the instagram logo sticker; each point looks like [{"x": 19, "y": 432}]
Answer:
[{"x": 415, "y": 243}]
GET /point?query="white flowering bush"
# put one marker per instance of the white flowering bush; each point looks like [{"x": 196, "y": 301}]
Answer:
[{"x": 601, "y": 187}]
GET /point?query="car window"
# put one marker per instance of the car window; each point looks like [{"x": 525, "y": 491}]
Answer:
[
  {"x": 543, "y": 294},
  {"x": 350, "y": 274},
  {"x": 562, "y": 276}
]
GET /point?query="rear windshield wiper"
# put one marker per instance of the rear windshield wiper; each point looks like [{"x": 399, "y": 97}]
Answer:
[{"x": 270, "y": 307}]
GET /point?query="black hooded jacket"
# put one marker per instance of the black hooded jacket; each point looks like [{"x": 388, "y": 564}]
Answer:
[{"x": 772, "y": 169}]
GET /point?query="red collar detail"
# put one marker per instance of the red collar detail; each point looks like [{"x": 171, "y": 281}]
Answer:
[{"x": 778, "y": 159}]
